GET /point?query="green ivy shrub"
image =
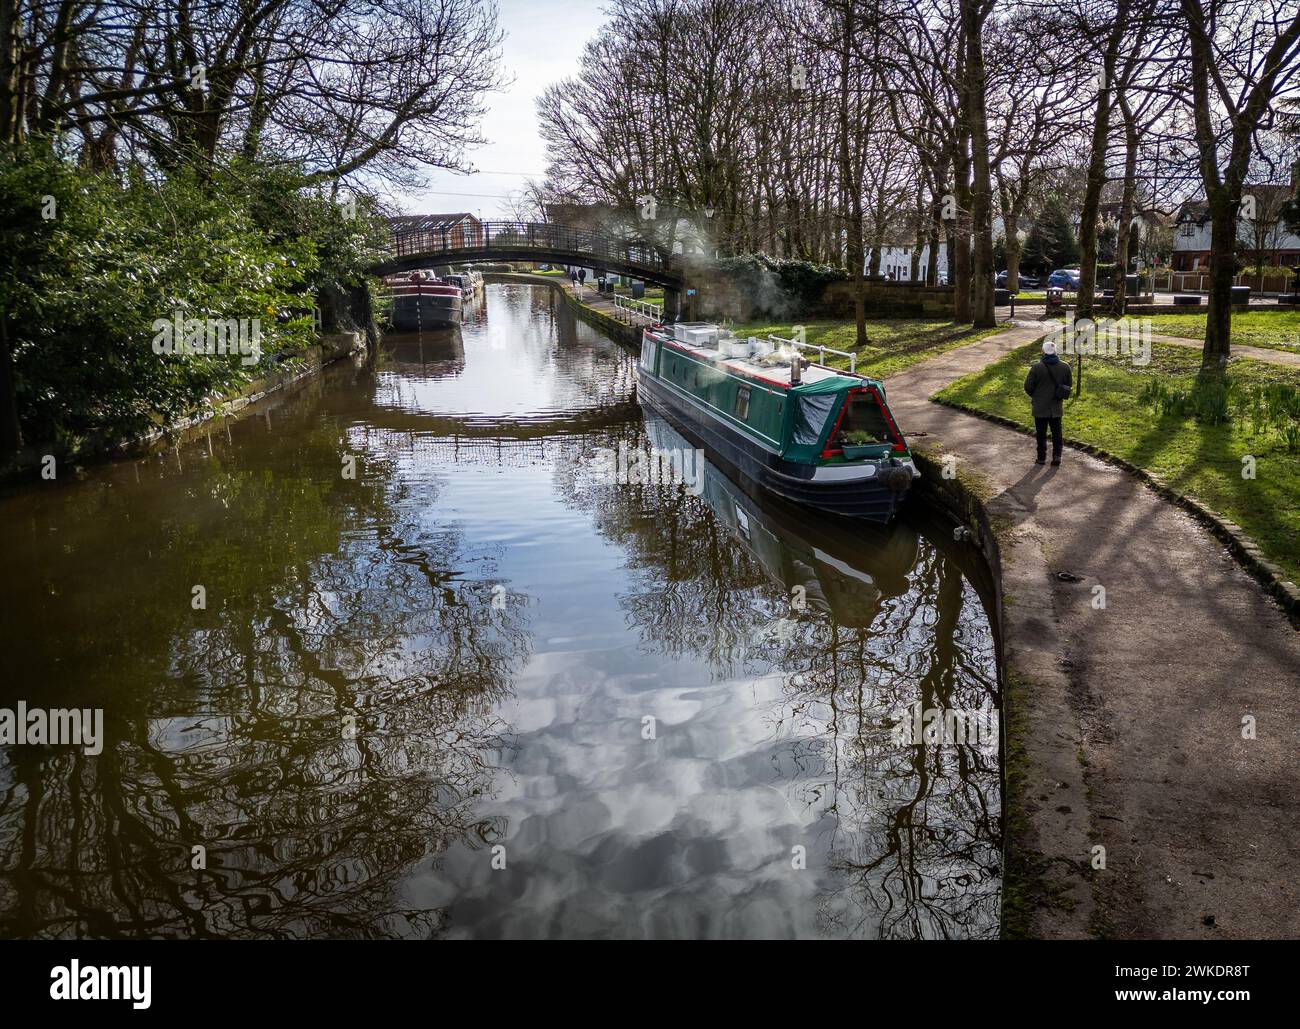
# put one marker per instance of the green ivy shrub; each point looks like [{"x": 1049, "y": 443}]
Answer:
[{"x": 91, "y": 262}]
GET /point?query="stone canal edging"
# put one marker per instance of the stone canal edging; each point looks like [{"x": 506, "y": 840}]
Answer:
[
  {"x": 1028, "y": 889},
  {"x": 329, "y": 348},
  {"x": 959, "y": 496},
  {"x": 1046, "y": 891},
  {"x": 1244, "y": 549}
]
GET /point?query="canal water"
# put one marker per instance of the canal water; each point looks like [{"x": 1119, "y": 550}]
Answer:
[{"x": 481, "y": 688}]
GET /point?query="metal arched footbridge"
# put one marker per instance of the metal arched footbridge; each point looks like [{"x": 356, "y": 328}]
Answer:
[{"x": 525, "y": 241}]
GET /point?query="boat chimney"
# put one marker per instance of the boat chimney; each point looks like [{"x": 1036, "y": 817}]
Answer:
[{"x": 796, "y": 369}]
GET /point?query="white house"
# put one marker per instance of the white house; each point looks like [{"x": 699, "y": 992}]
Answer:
[
  {"x": 896, "y": 261},
  {"x": 1262, "y": 234}
]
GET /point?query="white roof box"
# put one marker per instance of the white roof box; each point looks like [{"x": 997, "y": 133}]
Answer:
[{"x": 700, "y": 334}]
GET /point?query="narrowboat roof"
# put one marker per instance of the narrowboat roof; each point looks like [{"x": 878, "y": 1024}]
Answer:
[{"x": 816, "y": 378}]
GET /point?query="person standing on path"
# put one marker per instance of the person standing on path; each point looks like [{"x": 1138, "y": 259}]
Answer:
[{"x": 1048, "y": 383}]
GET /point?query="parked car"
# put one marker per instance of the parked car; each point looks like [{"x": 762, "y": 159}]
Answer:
[
  {"x": 1064, "y": 278},
  {"x": 1024, "y": 279}
]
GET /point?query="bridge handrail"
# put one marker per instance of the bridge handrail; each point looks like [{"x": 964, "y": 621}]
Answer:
[
  {"x": 822, "y": 351},
  {"x": 633, "y": 306},
  {"x": 511, "y": 235}
]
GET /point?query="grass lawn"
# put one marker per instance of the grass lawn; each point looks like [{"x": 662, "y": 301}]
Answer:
[
  {"x": 1199, "y": 460},
  {"x": 893, "y": 344},
  {"x": 1277, "y": 329}
]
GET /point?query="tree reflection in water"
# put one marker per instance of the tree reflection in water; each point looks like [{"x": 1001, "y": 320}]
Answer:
[
  {"x": 372, "y": 600},
  {"x": 229, "y": 728},
  {"x": 891, "y": 620}
]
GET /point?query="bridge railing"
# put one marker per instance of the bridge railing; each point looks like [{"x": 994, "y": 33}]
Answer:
[
  {"x": 644, "y": 308},
  {"x": 488, "y": 236}
]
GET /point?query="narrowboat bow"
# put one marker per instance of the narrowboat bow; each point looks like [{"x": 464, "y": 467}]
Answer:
[{"x": 814, "y": 435}]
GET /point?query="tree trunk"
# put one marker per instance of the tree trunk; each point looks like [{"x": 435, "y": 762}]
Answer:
[
  {"x": 1223, "y": 267},
  {"x": 1091, "y": 207},
  {"x": 1014, "y": 250},
  {"x": 1097, "y": 166},
  {"x": 919, "y": 225},
  {"x": 851, "y": 188},
  {"x": 959, "y": 251},
  {"x": 976, "y": 118},
  {"x": 880, "y": 233},
  {"x": 11, "y": 46},
  {"x": 932, "y": 260},
  {"x": 1126, "y": 206},
  {"x": 940, "y": 173}
]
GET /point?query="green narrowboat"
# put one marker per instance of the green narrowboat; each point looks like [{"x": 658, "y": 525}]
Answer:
[{"x": 814, "y": 435}]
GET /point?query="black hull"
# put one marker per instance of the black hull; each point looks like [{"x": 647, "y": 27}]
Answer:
[
  {"x": 411, "y": 314},
  {"x": 870, "y": 500}
]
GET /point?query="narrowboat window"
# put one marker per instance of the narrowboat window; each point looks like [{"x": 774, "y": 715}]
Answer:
[
  {"x": 863, "y": 422},
  {"x": 742, "y": 403}
]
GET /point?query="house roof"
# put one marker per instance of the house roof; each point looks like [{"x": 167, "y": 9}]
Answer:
[
  {"x": 1268, "y": 194},
  {"x": 427, "y": 222}
]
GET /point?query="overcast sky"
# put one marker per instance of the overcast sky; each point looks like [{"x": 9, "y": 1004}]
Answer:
[{"x": 544, "y": 39}]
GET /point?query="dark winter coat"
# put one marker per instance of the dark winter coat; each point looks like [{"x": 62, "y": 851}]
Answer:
[{"x": 1041, "y": 383}]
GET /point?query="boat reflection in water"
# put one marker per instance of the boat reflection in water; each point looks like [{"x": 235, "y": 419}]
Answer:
[
  {"x": 430, "y": 354},
  {"x": 836, "y": 567},
  {"x": 793, "y": 716}
]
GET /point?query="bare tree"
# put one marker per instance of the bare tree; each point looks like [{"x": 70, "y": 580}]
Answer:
[
  {"x": 926, "y": 88},
  {"x": 337, "y": 85},
  {"x": 1033, "y": 85},
  {"x": 1244, "y": 56},
  {"x": 1107, "y": 29}
]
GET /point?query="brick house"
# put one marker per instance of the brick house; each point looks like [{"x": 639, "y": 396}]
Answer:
[{"x": 458, "y": 230}]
